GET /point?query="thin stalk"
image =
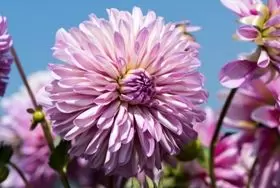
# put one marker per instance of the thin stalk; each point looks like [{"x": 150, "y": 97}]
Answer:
[
  {"x": 251, "y": 172},
  {"x": 21, "y": 174},
  {"x": 23, "y": 77},
  {"x": 44, "y": 124},
  {"x": 47, "y": 134},
  {"x": 64, "y": 180},
  {"x": 216, "y": 134}
]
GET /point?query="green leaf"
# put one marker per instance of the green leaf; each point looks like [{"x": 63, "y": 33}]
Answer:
[
  {"x": 59, "y": 157},
  {"x": 150, "y": 182},
  {"x": 4, "y": 173},
  {"x": 132, "y": 183},
  {"x": 203, "y": 158},
  {"x": 6, "y": 152}
]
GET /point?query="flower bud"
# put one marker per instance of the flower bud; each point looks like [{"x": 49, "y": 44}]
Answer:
[{"x": 190, "y": 151}]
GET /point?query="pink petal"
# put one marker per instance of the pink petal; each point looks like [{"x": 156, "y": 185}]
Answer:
[
  {"x": 273, "y": 4},
  {"x": 236, "y": 73},
  {"x": 238, "y": 6},
  {"x": 264, "y": 59},
  {"x": 267, "y": 115},
  {"x": 247, "y": 32}
]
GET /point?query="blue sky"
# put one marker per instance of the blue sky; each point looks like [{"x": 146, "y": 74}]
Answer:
[{"x": 33, "y": 25}]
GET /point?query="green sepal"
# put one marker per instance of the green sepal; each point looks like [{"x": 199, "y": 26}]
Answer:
[
  {"x": 132, "y": 183},
  {"x": 4, "y": 173},
  {"x": 190, "y": 151},
  {"x": 38, "y": 116},
  {"x": 6, "y": 152}
]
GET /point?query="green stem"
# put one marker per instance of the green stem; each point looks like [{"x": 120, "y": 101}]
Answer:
[
  {"x": 64, "y": 180},
  {"x": 21, "y": 174},
  {"x": 23, "y": 77},
  {"x": 251, "y": 173},
  {"x": 216, "y": 134},
  {"x": 44, "y": 124},
  {"x": 47, "y": 134}
]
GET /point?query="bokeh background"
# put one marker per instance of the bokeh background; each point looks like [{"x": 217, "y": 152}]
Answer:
[{"x": 33, "y": 25}]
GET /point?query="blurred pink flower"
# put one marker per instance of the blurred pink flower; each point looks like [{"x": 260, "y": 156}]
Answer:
[
  {"x": 206, "y": 128},
  {"x": 33, "y": 152},
  {"x": 229, "y": 164},
  {"x": 129, "y": 92},
  {"x": 248, "y": 99},
  {"x": 229, "y": 170},
  {"x": 255, "y": 110},
  {"x": 259, "y": 24},
  {"x": 5, "y": 57}
]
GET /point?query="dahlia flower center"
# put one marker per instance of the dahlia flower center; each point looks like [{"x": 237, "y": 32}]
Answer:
[{"x": 137, "y": 87}]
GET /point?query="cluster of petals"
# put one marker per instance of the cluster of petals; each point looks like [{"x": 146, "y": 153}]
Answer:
[
  {"x": 259, "y": 24},
  {"x": 230, "y": 172},
  {"x": 5, "y": 57},
  {"x": 31, "y": 150},
  {"x": 128, "y": 93},
  {"x": 255, "y": 111}
]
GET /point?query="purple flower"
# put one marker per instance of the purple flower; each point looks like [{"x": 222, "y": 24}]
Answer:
[
  {"x": 248, "y": 99},
  {"x": 5, "y": 57},
  {"x": 5, "y": 39},
  {"x": 229, "y": 167},
  {"x": 259, "y": 24},
  {"x": 206, "y": 128},
  {"x": 229, "y": 170},
  {"x": 32, "y": 152},
  {"x": 129, "y": 92},
  {"x": 255, "y": 110}
]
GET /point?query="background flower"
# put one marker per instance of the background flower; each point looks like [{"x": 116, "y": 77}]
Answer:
[
  {"x": 259, "y": 24},
  {"x": 255, "y": 111},
  {"x": 5, "y": 57},
  {"x": 32, "y": 152}
]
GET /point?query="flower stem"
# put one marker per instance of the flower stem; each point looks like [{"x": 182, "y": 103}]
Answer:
[
  {"x": 251, "y": 172},
  {"x": 216, "y": 134},
  {"x": 47, "y": 134},
  {"x": 23, "y": 77},
  {"x": 64, "y": 180},
  {"x": 21, "y": 174},
  {"x": 44, "y": 123}
]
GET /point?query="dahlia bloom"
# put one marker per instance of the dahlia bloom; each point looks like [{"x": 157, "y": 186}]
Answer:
[
  {"x": 129, "y": 92},
  {"x": 229, "y": 170},
  {"x": 259, "y": 24},
  {"x": 249, "y": 98},
  {"x": 33, "y": 153},
  {"x": 255, "y": 111},
  {"x": 5, "y": 58}
]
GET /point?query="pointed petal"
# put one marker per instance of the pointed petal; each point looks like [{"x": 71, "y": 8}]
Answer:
[{"x": 236, "y": 73}]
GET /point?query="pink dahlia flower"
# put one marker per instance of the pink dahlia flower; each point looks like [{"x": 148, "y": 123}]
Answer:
[
  {"x": 229, "y": 168},
  {"x": 5, "y": 57},
  {"x": 248, "y": 100},
  {"x": 129, "y": 92},
  {"x": 229, "y": 172},
  {"x": 33, "y": 152},
  {"x": 255, "y": 111},
  {"x": 259, "y": 24}
]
